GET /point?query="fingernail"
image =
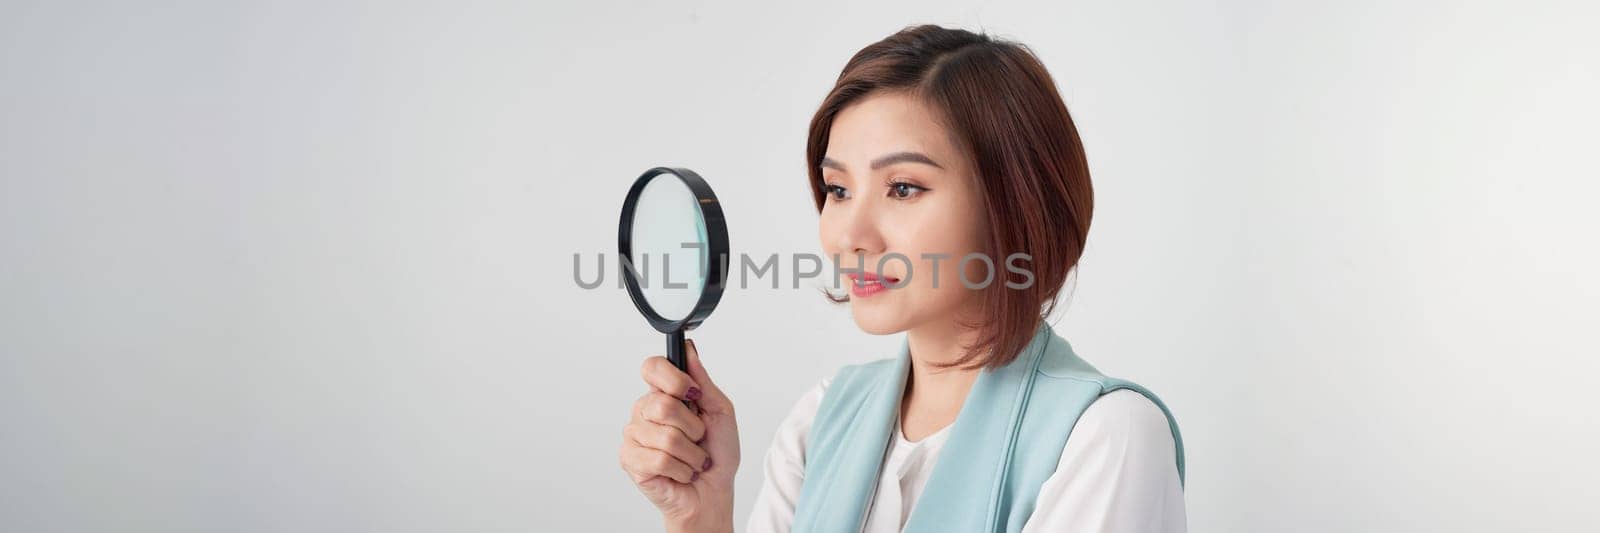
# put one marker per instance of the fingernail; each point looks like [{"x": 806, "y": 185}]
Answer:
[
  {"x": 694, "y": 394},
  {"x": 694, "y": 476},
  {"x": 706, "y": 466}
]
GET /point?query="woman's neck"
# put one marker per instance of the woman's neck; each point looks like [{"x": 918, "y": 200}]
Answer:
[{"x": 933, "y": 395}]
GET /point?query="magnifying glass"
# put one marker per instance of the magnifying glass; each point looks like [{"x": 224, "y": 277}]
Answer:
[{"x": 673, "y": 243}]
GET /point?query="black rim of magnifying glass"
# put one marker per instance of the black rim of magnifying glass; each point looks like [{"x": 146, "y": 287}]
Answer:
[{"x": 716, "y": 250}]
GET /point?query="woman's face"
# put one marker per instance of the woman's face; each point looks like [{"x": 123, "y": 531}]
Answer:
[{"x": 898, "y": 187}]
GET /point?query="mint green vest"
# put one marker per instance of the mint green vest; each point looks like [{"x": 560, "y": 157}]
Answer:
[{"x": 1004, "y": 444}]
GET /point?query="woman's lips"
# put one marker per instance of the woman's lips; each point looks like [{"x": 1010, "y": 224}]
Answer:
[{"x": 865, "y": 284}]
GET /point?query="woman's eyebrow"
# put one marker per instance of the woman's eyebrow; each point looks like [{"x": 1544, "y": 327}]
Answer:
[{"x": 897, "y": 157}]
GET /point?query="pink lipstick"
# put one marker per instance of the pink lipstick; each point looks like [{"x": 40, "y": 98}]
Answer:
[{"x": 865, "y": 284}]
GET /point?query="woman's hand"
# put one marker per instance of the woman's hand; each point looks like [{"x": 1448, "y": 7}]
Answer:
[{"x": 683, "y": 459}]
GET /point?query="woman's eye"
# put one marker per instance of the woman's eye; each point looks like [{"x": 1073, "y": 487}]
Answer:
[
  {"x": 904, "y": 190},
  {"x": 835, "y": 191}
]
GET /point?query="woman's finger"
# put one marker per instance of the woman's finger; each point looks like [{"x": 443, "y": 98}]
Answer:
[
  {"x": 644, "y": 463},
  {"x": 670, "y": 440},
  {"x": 661, "y": 374},
  {"x": 661, "y": 408}
]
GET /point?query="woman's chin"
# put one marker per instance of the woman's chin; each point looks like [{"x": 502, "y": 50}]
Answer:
[{"x": 876, "y": 321}]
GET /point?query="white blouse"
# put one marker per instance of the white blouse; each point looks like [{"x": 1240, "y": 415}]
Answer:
[{"x": 1117, "y": 473}]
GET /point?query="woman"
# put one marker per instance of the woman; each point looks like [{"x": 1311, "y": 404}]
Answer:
[{"x": 934, "y": 144}]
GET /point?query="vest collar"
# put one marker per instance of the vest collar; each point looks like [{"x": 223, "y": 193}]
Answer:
[{"x": 966, "y": 484}]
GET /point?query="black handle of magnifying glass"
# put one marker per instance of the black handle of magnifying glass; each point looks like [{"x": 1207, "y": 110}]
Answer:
[{"x": 679, "y": 358}]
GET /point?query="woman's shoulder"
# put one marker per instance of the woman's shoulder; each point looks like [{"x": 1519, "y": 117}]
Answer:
[
  {"x": 1129, "y": 430},
  {"x": 1122, "y": 416},
  {"x": 1117, "y": 470}
]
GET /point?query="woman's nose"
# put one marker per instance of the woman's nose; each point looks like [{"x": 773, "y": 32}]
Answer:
[{"x": 859, "y": 234}]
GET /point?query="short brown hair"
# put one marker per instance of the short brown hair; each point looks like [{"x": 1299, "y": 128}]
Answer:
[{"x": 1002, "y": 108}]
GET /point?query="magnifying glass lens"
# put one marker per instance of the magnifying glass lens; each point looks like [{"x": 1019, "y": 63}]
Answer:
[{"x": 669, "y": 246}]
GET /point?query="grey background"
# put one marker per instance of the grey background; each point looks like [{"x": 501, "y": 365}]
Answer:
[{"x": 307, "y": 266}]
